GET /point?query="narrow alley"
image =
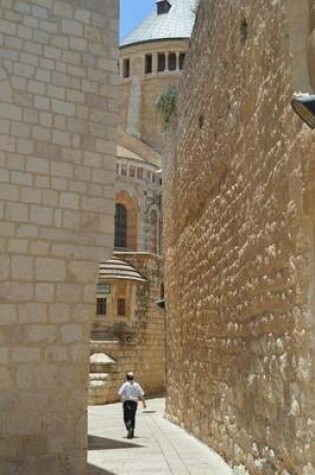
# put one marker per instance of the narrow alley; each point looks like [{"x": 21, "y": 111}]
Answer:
[{"x": 159, "y": 447}]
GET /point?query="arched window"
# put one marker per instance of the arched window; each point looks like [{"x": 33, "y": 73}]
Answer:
[
  {"x": 126, "y": 221},
  {"x": 120, "y": 226}
]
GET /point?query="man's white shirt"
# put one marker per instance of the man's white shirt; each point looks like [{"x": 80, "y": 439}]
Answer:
[{"x": 131, "y": 391}]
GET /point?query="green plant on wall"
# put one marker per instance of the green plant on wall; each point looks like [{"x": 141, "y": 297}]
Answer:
[{"x": 166, "y": 104}]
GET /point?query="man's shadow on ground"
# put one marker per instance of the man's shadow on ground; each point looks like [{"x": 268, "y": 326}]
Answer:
[{"x": 103, "y": 443}]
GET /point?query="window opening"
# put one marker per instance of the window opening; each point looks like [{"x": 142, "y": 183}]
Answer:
[
  {"x": 126, "y": 68},
  {"x": 172, "y": 62},
  {"x": 124, "y": 170},
  {"x": 120, "y": 226},
  {"x": 101, "y": 304},
  {"x": 121, "y": 307},
  {"x": 161, "y": 62},
  {"x": 163, "y": 6},
  {"x": 162, "y": 290},
  {"x": 148, "y": 63},
  {"x": 244, "y": 32},
  {"x": 140, "y": 173}
]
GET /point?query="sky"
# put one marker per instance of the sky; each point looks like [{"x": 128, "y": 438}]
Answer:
[{"x": 132, "y": 12}]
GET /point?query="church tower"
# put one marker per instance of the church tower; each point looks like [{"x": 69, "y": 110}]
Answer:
[{"x": 151, "y": 59}]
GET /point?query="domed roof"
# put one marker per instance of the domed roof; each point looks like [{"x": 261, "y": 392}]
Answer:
[
  {"x": 115, "y": 268},
  {"x": 176, "y": 22},
  {"x": 101, "y": 358}
]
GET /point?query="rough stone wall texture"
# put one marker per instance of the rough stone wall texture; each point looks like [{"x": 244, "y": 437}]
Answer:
[
  {"x": 58, "y": 64},
  {"x": 141, "y": 346},
  {"x": 239, "y": 213}
]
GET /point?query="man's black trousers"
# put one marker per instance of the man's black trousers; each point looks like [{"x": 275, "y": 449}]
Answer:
[{"x": 130, "y": 409}]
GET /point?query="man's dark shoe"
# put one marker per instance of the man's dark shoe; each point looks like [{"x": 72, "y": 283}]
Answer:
[{"x": 130, "y": 433}]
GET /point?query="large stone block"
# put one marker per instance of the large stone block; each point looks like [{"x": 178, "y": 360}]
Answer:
[
  {"x": 16, "y": 292},
  {"x": 21, "y": 354},
  {"x": 8, "y": 315},
  {"x": 50, "y": 269},
  {"x": 59, "y": 313},
  {"x": 22, "y": 268},
  {"x": 4, "y": 267}
]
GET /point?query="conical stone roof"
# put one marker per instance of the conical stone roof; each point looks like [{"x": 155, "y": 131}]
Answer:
[
  {"x": 178, "y": 22},
  {"x": 115, "y": 268}
]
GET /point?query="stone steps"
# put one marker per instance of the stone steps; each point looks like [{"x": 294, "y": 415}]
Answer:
[{"x": 102, "y": 368}]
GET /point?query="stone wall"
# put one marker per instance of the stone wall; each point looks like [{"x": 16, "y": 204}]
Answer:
[
  {"x": 140, "y": 346},
  {"x": 140, "y": 91},
  {"x": 239, "y": 215},
  {"x": 147, "y": 359},
  {"x": 58, "y": 66},
  {"x": 141, "y": 197}
]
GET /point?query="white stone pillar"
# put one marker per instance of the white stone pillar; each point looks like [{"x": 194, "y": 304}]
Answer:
[{"x": 57, "y": 146}]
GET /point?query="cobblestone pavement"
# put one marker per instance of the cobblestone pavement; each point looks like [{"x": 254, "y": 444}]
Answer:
[{"x": 159, "y": 447}]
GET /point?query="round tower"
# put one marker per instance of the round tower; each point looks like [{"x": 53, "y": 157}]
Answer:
[{"x": 151, "y": 59}]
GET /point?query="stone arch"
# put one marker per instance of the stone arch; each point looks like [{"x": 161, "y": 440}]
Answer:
[
  {"x": 123, "y": 198},
  {"x": 121, "y": 215}
]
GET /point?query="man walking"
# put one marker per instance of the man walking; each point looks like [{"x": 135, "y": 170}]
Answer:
[{"x": 131, "y": 392}]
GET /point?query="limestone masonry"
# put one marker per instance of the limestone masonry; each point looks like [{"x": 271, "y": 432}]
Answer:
[
  {"x": 129, "y": 328},
  {"x": 239, "y": 197},
  {"x": 58, "y": 113},
  {"x": 134, "y": 341}
]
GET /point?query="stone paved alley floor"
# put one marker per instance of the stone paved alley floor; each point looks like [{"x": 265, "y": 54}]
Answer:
[{"x": 159, "y": 447}]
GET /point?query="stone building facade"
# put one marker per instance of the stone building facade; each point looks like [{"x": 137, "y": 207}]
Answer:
[
  {"x": 132, "y": 337},
  {"x": 239, "y": 217},
  {"x": 129, "y": 328},
  {"x": 153, "y": 67},
  {"x": 58, "y": 116}
]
